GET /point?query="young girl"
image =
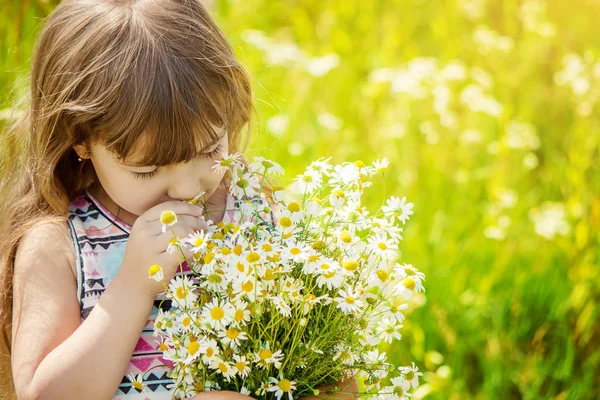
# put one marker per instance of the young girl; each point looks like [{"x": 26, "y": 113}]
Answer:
[{"x": 131, "y": 103}]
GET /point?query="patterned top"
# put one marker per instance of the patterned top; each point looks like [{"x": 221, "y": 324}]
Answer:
[{"x": 99, "y": 241}]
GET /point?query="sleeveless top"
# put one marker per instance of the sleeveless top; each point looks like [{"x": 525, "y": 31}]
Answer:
[{"x": 99, "y": 241}]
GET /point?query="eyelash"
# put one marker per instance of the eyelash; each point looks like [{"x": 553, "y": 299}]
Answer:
[{"x": 148, "y": 175}]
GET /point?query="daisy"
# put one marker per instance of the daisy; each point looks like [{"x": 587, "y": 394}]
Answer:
[
  {"x": 241, "y": 365},
  {"x": 180, "y": 290},
  {"x": 167, "y": 219},
  {"x": 245, "y": 287},
  {"x": 295, "y": 252},
  {"x": 215, "y": 281},
  {"x": 265, "y": 357},
  {"x": 411, "y": 374},
  {"x": 209, "y": 350},
  {"x": 332, "y": 279},
  {"x": 218, "y": 313},
  {"x": 314, "y": 207},
  {"x": 198, "y": 241},
  {"x": 224, "y": 368},
  {"x": 155, "y": 272},
  {"x": 388, "y": 330},
  {"x": 348, "y": 301},
  {"x": 337, "y": 198},
  {"x": 394, "y": 309},
  {"x": 281, "y": 387},
  {"x": 308, "y": 182},
  {"x": 241, "y": 315},
  {"x": 399, "y": 388},
  {"x": 263, "y": 166},
  {"x": 137, "y": 382},
  {"x": 398, "y": 208},
  {"x": 344, "y": 174},
  {"x": 193, "y": 350},
  {"x": 321, "y": 166},
  {"x": 245, "y": 185},
  {"x": 281, "y": 306},
  {"x": 227, "y": 161},
  {"x": 382, "y": 165},
  {"x": 382, "y": 246},
  {"x": 232, "y": 337}
]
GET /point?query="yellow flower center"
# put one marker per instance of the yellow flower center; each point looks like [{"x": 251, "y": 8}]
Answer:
[
  {"x": 267, "y": 247},
  {"x": 350, "y": 300},
  {"x": 295, "y": 251},
  {"x": 168, "y": 217},
  {"x": 247, "y": 286},
  {"x": 193, "y": 347},
  {"x": 240, "y": 267},
  {"x": 198, "y": 241},
  {"x": 350, "y": 265},
  {"x": 232, "y": 333},
  {"x": 265, "y": 354},
  {"x": 359, "y": 164},
  {"x": 269, "y": 275},
  {"x": 187, "y": 321},
  {"x": 208, "y": 257},
  {"x": 181, "y": 292},
  {"x": 240, "y": 365},
  {"x": 382, "y": 245},
  {"x": 253, "y": 257},
  {"x": 217, "y": 313},
  {"x": 163, "y": 347},
  {"x": 285, "y": 222},
  {"x": 226, "y": 251},
  {"x": 285, "y": 385},
  {"x": 409, "y": 283},
  {"x": 313, "y": 258},
  {"x": 154, "y": 270},
  {"x": 237, "y": 249},
  {"x": 339, "y": 193},
  {"x": 382, "y": 275},
  {"x": 137, "y": 385},
  {"x": 210, "y": 352},
  {"x": 293, "y": 206},
  {"x": 324, "y": 267},
  {"x": 239, "y": 315},
  {"x": 345, "y": 237},
  {"x": 223, "y": 367}
]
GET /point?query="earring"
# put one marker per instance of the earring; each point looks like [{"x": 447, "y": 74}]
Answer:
[{"x": 79, "y": 159}]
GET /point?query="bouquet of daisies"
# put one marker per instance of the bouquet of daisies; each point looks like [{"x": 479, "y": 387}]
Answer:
[{"x": 276, "y": 307}]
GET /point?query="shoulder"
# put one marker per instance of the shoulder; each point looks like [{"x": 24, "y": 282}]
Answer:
[{"x": 45, "y": 243}]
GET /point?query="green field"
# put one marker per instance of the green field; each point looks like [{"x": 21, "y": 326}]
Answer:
[{"x": 488, "y": 112}]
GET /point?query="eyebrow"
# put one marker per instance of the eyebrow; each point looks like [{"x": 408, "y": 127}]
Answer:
[{"x": 139, "y": 163}]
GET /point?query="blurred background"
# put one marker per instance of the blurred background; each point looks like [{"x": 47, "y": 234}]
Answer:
[{"x": 488, "y": 112}]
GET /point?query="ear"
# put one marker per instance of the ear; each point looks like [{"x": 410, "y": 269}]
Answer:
[{"x": 82, "y": 151}]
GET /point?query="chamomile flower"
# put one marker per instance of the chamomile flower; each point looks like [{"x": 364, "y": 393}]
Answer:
[
  {"x": 389, "y": 330},
  {"x": 245, "y": 185},
  {"x": 308, "y": 182},
  {"x": 349, "y": 301},
  {"x": 381, "y": 165},
  {"x": 181, "y": 291},
  {"x": 232, "y": 337},
  {"x": 399, "y": 388},
  {"x": 411, "y": 374},
  {"x": 383, "y": 247},
  {"x": 241, "y": 315},
  {"x": 198, "y": 241},
  {"x": 398, "y": 208},
  {"x": 227, "y": 161},
  {"x": 223, "y": 367},
  {"x": 242, "y": 365},
  {"x": 209, "y": 350},
  {"x": 337, "y": 198},
  {"x": 321, "y": 166},
  {"x": 296, "y": 252},
  {"x": 282, "y": 387},
  {"x": 218, "y": 313},
  {"x": 167, "y": 219},
  {"x": 344, "y": 174},
  {"x": 281, "y": 305},
  {"x": 265, "y": 357},
  {"x": 263, "y": 166},
  {"x": 137, "y": 382},
  {"x": 156, "y": 272},
  {"x": 332, "y": 279}
]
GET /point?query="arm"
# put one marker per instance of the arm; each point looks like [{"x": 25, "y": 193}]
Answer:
[
  {"x": 348, "y": 387},
  {"x": 53, "y": 355}
]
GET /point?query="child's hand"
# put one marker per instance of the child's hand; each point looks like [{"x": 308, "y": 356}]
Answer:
[
  {"x": 221, "y": 395},
  {"x": 349, "y": 390},
  {"x": 147, "y": 244}
]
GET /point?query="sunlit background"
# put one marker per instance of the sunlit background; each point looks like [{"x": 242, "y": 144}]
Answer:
[{"x": 488, "y": 112}]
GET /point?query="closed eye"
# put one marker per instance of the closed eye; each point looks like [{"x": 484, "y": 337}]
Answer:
[{"x": 148, "y": 175}]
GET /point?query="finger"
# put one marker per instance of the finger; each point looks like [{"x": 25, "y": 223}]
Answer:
[
  {"x": 193, "y": 222},
  {"x": 178, "y": 207}
]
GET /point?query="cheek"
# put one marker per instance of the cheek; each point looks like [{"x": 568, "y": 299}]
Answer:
[{"x": 128, "y": 192}]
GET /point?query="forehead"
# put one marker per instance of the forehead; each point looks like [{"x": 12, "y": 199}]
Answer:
[{"x": 135, "y": 157}]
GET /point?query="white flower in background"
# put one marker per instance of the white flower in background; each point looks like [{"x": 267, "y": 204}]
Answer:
[
  {"x": 198, "y": 241},
  {"x": 265, "y": 357},
  {"x": 550, "y": 220},
  {"x": 308, "y": 182},
  {"x": 389, "y": 330},
  {"x": 381, "y": 165},
  {"x": 398, "y": 208},
  {"x": 521, "y": 135},
  {"x": 223, "y": 367},
  {"x": 232, "y": 337},
  {"x": 278, "y": 124},
  {"x": 241, "y": 364},
  {"x": 489, "y": 40},
  {"x": 246, "y": 185},
  {"x": 263, "y": 166},
  {"x": 383, "y": 247},
  {"x": 321, "y": 166},
  {"x": 330, "y": 121},
  {"x": 411, "y": 374},
  {"x": 320, "y": 66}
]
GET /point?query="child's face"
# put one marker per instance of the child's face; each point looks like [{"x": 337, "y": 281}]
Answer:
[{"x": 174, "y": 182}]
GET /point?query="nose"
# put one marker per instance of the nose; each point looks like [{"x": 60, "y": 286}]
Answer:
[{"x": 185, "y": 184}]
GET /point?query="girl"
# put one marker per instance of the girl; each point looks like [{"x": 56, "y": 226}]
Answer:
[{"x": 131, "y": 103}]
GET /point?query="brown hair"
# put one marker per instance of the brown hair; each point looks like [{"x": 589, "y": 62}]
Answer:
[{"x": 108, "y": 71}]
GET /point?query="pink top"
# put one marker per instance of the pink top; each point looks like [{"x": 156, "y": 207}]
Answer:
[{"x": 99, "y": 242}]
